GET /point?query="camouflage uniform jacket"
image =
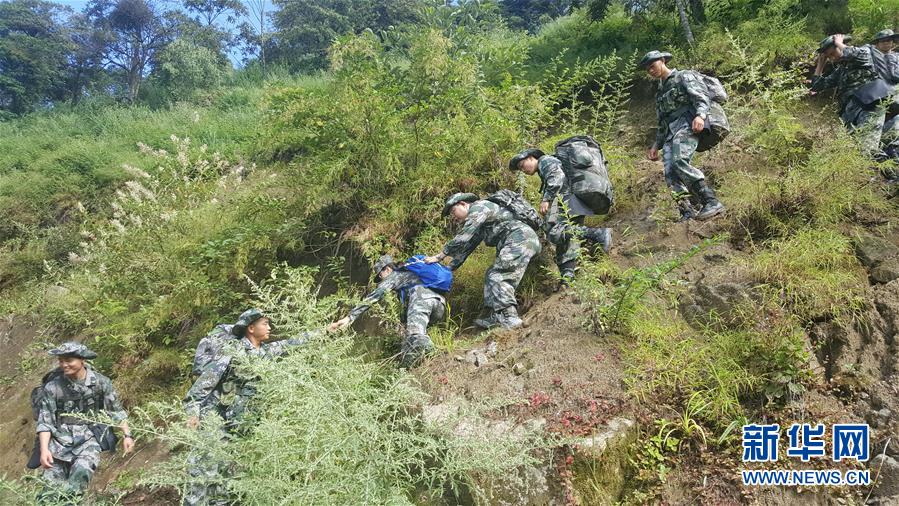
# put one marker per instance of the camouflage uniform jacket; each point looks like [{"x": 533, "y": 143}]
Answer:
[
  {"x": 221, "y": 388},
  {"x": 69, "y": 435},
  {"x": 399, "y": 281},
  {"x": 552, "y": 177},
  {"x": 488, "y": 222},
  {"x": 681, "y": 92},
  {"x": 854, "y": 69}
]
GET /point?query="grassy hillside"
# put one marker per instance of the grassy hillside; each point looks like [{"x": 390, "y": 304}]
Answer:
[{"x": 136, "y": 230}]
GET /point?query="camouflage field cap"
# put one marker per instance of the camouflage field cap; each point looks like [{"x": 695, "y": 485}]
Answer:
[
  {"x": 652, "y": 56},
  {"x": 885, "y": 35},
  {"x": 382, "y": 262},
  {"x": 73, "y": 349},
  {"x": 455, "y": 199},
  {"x": 245, "y": 320},
  {"x": 536, "y": 153},
  {"x": 828, "y": 42}
]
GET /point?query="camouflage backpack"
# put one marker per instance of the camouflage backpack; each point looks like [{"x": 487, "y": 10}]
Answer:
[
  {"x": 717, "y": 128},
  {"x": 519, "y": 206},
  {"x": 717, "y": 93},
  {"x": 210, "y": 346},
  {"x": 584, "y": 166}
]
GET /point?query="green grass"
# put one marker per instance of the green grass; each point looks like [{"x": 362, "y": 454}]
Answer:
[{"x": 816, "y": 272}]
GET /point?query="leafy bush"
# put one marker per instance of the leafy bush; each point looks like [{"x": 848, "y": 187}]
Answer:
[
  {"x": 321, "y": 414},
  {"x": 185, "y": 68}
]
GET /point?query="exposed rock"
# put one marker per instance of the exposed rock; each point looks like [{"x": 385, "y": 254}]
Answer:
[
  {"x": 722, "y": 304},
  {"x": 476, "y": 357},
  {"x": 886, "y": 470},
  {"x": 518, "y": 369},
  {"x": 872, "y": 250},
  {"x": 886, "y": 271},
  {"x": 616, "y": 431}
]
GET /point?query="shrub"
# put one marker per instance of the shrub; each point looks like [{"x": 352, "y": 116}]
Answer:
[{"x": 321, "y": 414}]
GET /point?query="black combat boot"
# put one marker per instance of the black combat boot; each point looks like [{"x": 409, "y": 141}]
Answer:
[
  {"x": 686, "y": 210},
  {"x": 600, "y": 236},
  {"x": 566, "y": 274},
  {"x": 710, "y": 205}
]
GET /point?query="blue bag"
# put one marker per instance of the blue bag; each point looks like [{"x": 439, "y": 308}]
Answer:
[{"x": 433, "y": 276}]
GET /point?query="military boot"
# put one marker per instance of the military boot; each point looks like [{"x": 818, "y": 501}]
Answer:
[
  {"x": 710, "y": 205},
  {"x": 686, "y": 209},
  {"x": 488, "y": 322},
  {"x": 508, "y": 318},
  {"x": 566, "y": 274},
  {"x": 601, "y": 236}
]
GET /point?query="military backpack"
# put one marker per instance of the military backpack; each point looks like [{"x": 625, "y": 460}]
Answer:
[
  {"x": 519, "y": 207},
  {"x": 717, "y": 128},
  {"x": 585, "y": 169},
  {"x": 210, "y": 346}
]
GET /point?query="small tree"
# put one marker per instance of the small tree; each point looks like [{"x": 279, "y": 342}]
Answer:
[
  {"x": 185, "y": 68},
  {"x": 33, "y": 50}
]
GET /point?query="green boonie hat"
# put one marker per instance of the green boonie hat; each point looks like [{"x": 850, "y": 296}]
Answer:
[
  {"x": 652, "y": 56},
  {"x": 74, "y": 349},
  {"x": 536, "y": 153},
  {"x": 245, "y": 320},
  {"x": 455, "y": 199},
  {"x": 828, "y": 42},
  {"x": 884, "y": 35},
  {"x": 382, "y": 262}
]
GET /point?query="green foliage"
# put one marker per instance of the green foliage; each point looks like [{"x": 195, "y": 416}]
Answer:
[
  {"x": 33, "y": 50},
  {"x": 306, "y": 29},
  {"x": 815, "y": 271},
  {"x": 871, "y": 16},
  {"x": 185, "y": 68},
  {"x": 616, "y": 306},
  {"x": 321, "y": 413}
]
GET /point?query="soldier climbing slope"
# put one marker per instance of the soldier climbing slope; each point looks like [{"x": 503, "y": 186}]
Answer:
[
  {"x": 69, "y": 445},
  {"x": 862, "y": 90},
  {"x": 420, "y": 287},
  {"x": 683, "y": 105},
  {"x": 221, "y": 389},
  {"x": 565, "y": 206},
  {"x": 885, "y": 42},
  {"x": 508, "y": 222}
]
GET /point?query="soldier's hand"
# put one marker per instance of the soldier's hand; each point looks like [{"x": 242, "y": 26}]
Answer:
[
  {"x": 46, "y": 459},
  {"x": 698, "y": 124},
  {"x": 339, "y": 324},
  {"x": 193, "y": 422},
  {"x": 432, "y": 260},
  {"x": 653, "y": 153},
  {"x": 544, "y": 207},
  {"x": 128, "y": 445}
]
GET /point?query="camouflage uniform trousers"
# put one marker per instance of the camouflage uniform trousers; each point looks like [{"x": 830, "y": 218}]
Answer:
[
  {"x": 421, "y": 313},
  {"x": 677, "y": 152},
  {"x": 68, "y": 480},
  {"x": 870, "y": 128},
  {"x": 513, "y": 254},
  {"x": 207, "y": 485},
  {"x": 558, "y": 231}
]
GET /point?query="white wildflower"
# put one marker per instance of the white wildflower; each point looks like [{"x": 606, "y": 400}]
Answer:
[
  {"x": 118, "y": 226},
  {"x": 135, "y": 172},
  {"x": 80, "y": 207},
  {"x": 196, "y": 117}
]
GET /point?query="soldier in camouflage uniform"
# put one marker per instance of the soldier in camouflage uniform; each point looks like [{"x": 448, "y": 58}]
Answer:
[
  {"x": 682, "y": 107},
  {"x": 885, "y": 42},
  {"x": 516, "y": 243},
  {"x": 862, "y": 108},
  {"x": 69, "y": 451},
  {"x": 422, "y": 307},
  {"x": 222, "y": 390},
  {"x": 561, "y": 230}
]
